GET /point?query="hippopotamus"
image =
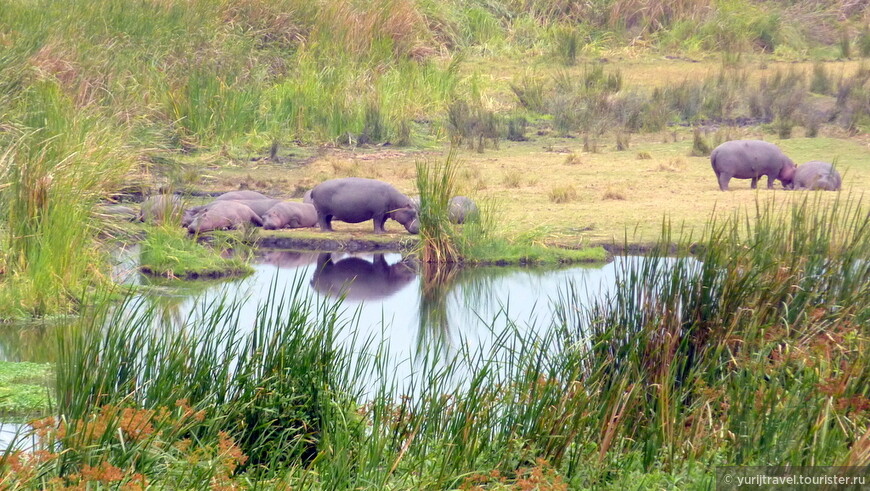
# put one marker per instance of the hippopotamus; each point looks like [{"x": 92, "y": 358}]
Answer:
[
  {"x": 359, "y": 279},
  {"x": 119, "y": 211},
  {"x": 241, "y": 195},
  {"x": 306, "y": 198},
  {"x": 460, "y": 208},
  {"x": 287, "y": 214},
  {"x": 159, "y": 208},
  {"x": 223, "y": 215},
  {"x": 816, "y": 174},
  {"x": 751, "y": 159},
  {"x": 260, "y": 207},
  {"x": 356, "y": 199}
]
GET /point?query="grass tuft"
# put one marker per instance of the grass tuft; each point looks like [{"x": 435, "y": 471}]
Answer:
[{"x": 563, "y": 194}]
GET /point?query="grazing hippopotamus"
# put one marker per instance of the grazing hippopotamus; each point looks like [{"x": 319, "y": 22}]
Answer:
[
  {"x": 241, "y": 195},
  {"x": 224, "y": 215},
  {"x": 356, "y": 199},
  {"x": 260, "y": 207},
  {"x": 359, "y": 279},
  {"x": 816, "y": 174},
  {"x": 159, "y": 208},
  {"x": 461, "y": 208},
  {"x": 288, "y": 214},
  {"x": 751, "y": 159}
]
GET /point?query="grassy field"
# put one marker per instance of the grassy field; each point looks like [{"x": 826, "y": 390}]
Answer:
[
  {"x": 576, "y": 123},
  {"x": 618, "y": 195}
]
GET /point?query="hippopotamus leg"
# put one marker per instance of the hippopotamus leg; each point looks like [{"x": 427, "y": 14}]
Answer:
[
  {"x": 379, "y": 223},
  {"x": 324, "y": 221},
  {"x": 723, "y": 178}
]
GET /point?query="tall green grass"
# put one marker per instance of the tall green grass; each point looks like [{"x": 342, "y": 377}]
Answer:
[
  {"x": 58, "y": 161},
  {"x": 753, "y": 352}
]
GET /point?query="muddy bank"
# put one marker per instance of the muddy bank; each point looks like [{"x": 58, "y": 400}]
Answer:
[{"x": 352, "y": 244}]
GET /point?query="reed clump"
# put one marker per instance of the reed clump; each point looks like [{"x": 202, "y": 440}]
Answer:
[{"x": 59, "y": 160}]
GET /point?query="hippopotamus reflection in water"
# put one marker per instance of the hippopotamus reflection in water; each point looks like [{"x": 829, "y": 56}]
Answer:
[
  {"x": 289, "y": 259},
  {"x": 358, "y": 279}
]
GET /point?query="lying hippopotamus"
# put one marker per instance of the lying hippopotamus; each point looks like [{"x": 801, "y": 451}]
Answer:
[
  {"x": 159, "y": 208},
  {"x": 306, "y": 198},
  {"x": 241, "y": 195},
  {"x": 224, "y": 215},
  {"x": 356, "y": 199},
  {"x": 260, "y": 207},
  {"x": 119, "y": 211},
  {"x": 816, "y": 174},
  {"x": 288, "y": 214},
  {"x": 751, "y": 159}
]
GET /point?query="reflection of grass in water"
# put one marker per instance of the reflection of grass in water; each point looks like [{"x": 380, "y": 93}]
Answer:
[{"x": 436, "y": 282}]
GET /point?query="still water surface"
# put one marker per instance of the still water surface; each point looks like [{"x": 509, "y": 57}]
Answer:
[
  {"x": 415, "y": 310},
  {"x": 413, "y": 307}
]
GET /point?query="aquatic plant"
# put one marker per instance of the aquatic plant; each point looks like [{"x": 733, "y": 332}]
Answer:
[
  {"x": 437, "y": 182},
  {"x": 169, "y": 251}
]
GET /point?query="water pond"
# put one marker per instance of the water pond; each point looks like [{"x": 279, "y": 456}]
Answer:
[{"x": 417, "y": 312}]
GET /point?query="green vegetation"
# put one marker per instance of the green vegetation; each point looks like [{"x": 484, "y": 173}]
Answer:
[
  {"x": 105, "y": 97},
  {"x": 476, "y": 241},
  {"x": 24, "y": 389},
  {"x": 167, "y": 251},
  {"x": 754, "y": 352}
]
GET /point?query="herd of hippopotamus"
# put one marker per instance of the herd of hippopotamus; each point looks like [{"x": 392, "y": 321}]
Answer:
[
  {"x": 752, "y": 159},
  {"x": 349, "y": 199},
  {"x": 355, "y": 199}
]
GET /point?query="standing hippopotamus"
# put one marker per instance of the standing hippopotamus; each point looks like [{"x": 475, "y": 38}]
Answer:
[
  {"x": 288, "y": 214},
  {"x": 816, "y": 174},
  {"x": 461, "y": 208},
  {"x": 224, "y": 215},
  {"x": 356, "y": 199},
  {"x": 159, "y": 208},
  {"x": 751, "y": 159}
]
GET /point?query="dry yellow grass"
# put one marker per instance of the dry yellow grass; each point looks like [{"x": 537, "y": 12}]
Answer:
[{"x": 671, "y": 185}]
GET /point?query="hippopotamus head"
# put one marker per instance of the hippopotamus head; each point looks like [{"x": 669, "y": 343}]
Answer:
[
  {"x": 407, "y": 216},
  {"x": 786, "y": 174}
]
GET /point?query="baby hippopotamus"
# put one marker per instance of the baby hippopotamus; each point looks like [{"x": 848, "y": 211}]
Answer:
[
  {"x": 356, "y": 199},
  {"x": 223, "y": 215},
  {"x": 287, "y": 214}
]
